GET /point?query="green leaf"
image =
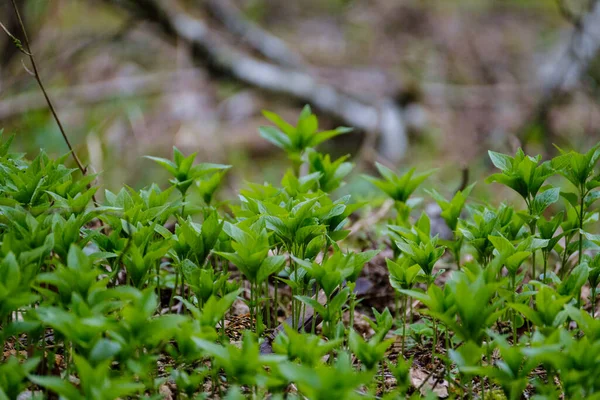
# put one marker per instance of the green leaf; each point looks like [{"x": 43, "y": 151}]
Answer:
[
  {"x": 276, "y": 137},
  {"x": 501, "y": 161},
  {"x": 166, "y": 164},
  {"x": 544, "y": 199},
  {"x": 58, "y": 386}
]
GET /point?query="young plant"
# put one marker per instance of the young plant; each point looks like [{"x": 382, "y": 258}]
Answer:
[
  {"x": 305, "y": 348},
  {"x": 593, "y": 279},
  {"x": 184, "y": 173},
  {"x": 526, "y": 175},
  {"x": 369, "y": 353},
  {"x": 296, "y": 139},
  {"x": 549, "y": 313},
  {"x": 512, "y": 371},
  {"x": 547, "y": 231},
  {"x": 403, "y": 275},
  {"x": 329, "y": 275},
  {"x": 251, "y": 256},
  {"x": 332, "y": 173},
  {"x": 424, "y": 254},
  {"x": 325, "y": 382},
  {"x": 451, "y": 211},
  {"x": 578, "y": 169},
  {"x": 97, "y": 382},
  {"x": 438, "y": 302},
  {"x": 398, "y": 188},
  {"x": 243, "y": 365}
]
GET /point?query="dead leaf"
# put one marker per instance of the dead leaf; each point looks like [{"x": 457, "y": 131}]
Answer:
[{"x": 418, "y": 376}]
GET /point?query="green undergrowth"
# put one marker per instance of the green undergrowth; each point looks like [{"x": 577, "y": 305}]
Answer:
[{"x": 132, "y": 298}]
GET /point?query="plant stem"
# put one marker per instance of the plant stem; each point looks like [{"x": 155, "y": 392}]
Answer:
[
  {"x": 532, "y": 230},
  {"x": 565, "y": 257},
  {"x": 352, "y": 305},
  {"x": 545, "y": 264},
  {"x": 36, "y": 74},
  {"x": 583, "y": 194},
  {"x": 252, "y": 307},
  {"x": 397, "y": 304},
  {"x": 458, "y": 245},
  {"x": 404, "y": 323},
  {"x": 174, "y": 288},
  {"x": 158, "y": 282},
  {"x": 514, "y": 314},
  {"x": 294, "y": 270},
  {"x": 435, "y": 335},
  {"x": 275, "y": 300},
  {"x": 314, "y": 318},
  {"x": 593, "y": 293}
]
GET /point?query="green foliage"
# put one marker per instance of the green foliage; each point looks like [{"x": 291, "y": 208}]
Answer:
[
  {"x": 452, "y": 209},
  {"x": 183, "y": 171},
  {"x": 95, "y": 297},
  {"x": 331, "y": 173},
  {"x": 399, "y": 188},
  {"x": 294, "y": 140}
]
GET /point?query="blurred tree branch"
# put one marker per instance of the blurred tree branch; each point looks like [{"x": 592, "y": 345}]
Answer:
[
  {"x": 565, "y": 69},
  {"x": 382, "y": 118},
  {"x": 91, "y": 93},
  {"x": 270, "y": 46}
]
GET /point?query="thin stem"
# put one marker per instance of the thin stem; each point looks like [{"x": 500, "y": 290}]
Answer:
[
  {"x": 38, "y": 79},
  {"x": 268, "y": 303},
  {"x": 352, "y": 305},
  {"x": 435, "y": 335},
  {"x": 158, "y": 281},
  {"x": 457, "y": 252},
  {"x": 565, "y": 256},
  {"x": 583, "y": 194},
  {"x": 514, "y": 313},
  {"x": 593, "y": 290},
  {"x": 532, "y": 230},
  {"x": 294, "y": 321},
  {"x": 404, "y": 323},
  {"x": 174, "y": 288},
  {"x": 313, "y": 326},
  {"x": 397, "y": 304},
  {"x": 41, "y": 85},
  {"x": 546, "y": 255},
  {"x": 275, "y": 299},
  {"x": 252, "y": 308}
]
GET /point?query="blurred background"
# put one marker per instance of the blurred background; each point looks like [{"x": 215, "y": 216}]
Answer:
[{"x": 424, "y": 83}]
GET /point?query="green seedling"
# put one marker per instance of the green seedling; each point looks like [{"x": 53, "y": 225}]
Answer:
[
  {"x": 578, "y": 169},
  {"x": 331, "y": 173},
  {"x": 398, "y": 188},
  {"x": 294, "y": 140}
]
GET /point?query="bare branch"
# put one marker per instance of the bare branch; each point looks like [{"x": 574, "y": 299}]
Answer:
[
  {"x": 383, "y": 118},
  {"x": 268, "y": 45},
  {"x": 16, "y": 41}
]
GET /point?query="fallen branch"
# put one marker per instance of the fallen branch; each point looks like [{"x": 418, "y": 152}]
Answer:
[
  {"x": 384, "y": 118},
  {"x": 270, "y": 46}
]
